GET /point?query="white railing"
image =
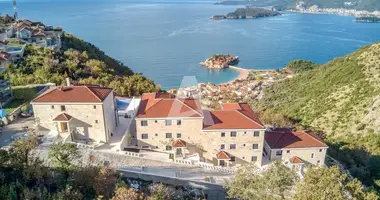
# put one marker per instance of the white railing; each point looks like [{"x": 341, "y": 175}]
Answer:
[
  {"x": 133, "y": 154},
  {"x": 184, "y": 162},
  {"x": 218, "y": 168}
]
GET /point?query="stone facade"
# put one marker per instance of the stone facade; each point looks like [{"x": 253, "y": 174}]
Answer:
[
  {"x": 312, "y": 155},
  {"x": 94, "y": 121},
  {"x": 202, "y": 143}
]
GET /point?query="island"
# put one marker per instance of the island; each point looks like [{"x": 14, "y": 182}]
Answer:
[
  {"x": 368, "y": 19},
  {"x": 247, "y": 13},
  {"x": 220, "y": 61}
]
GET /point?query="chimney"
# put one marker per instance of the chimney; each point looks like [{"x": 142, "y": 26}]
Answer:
[
  {"x": 68, "y": 82},
  {"x": 274, "y": 125}
]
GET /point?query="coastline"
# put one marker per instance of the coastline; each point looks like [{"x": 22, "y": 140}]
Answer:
[{"x": 243, "y": 74}]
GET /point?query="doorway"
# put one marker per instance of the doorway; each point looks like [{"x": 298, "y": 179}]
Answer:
[{"x": 64, "y": 127}]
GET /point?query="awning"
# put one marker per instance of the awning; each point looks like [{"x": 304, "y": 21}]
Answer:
[
  {"x": 222, "y": 155},
  {"x": 179, "y": 143},
  {"x": 296, "y": 160},
  {"x": 62, "y": 118}
]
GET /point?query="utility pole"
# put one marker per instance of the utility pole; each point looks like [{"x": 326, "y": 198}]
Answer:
[{"x": 15, "y": 15}]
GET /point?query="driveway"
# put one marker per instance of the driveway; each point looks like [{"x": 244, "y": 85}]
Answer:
[{"x": 17, "y": 127}]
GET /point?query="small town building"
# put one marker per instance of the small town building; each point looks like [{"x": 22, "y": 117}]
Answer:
[
  {"x": 294, "y": 148},
  {"x": 78, "y": 113}
]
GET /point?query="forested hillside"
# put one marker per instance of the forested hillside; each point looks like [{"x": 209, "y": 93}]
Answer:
[
  {"x": 341, "y": 101},
  {"x": 83, "y": 63}
]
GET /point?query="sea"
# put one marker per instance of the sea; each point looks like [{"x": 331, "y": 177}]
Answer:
[{"x": 166, "y": 40}]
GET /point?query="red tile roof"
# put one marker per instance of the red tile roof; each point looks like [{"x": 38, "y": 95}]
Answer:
[
  {"x": 286, "y": 138},
  {"x": 231, "y": 118},
  {"x": 74, "y": 94},
  {"x": 62, "y": 117},
  {"x": 222, "y": 155},
  {"x": 179, "y": 143},
  {"x": 296, "y": 160},
  {"x": 155, "y": 105}
]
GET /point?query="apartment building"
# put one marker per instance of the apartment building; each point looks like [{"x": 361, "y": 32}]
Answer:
[
  {"x": 82, "y": 113},
  {"x": 231, "y": 136},
  {"x": 294, "y": 148}
]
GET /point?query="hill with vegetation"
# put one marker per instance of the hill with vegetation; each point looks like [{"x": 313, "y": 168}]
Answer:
[
  {"x": 81, "y": 61},
  {"x": 341, "y": 101}
]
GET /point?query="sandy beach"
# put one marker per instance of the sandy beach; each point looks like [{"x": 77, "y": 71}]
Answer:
[{"x": 243, "y": 74}]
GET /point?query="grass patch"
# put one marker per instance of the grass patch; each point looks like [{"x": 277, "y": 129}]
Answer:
[{"x": 20, "y": 96}]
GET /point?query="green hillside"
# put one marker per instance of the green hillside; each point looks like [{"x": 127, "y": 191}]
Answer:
[{"x": 341, "y": 101}]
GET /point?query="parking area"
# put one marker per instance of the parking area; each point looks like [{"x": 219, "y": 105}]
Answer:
[{"x": 16, "y": 129}]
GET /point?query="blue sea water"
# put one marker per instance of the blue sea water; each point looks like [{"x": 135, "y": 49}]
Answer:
[{"x": 166, "y": 39}]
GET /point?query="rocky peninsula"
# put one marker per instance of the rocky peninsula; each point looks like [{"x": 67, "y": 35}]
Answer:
[
  {"x": 220, "y": 61},
  {"x": 368, "y": 19},
  {"x": 247, "y": 13}
]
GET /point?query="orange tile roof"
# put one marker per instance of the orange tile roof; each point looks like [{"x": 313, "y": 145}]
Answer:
[
  {"x": 231, "y": 118},
  {"x": 222, "y": 155},
  {"x": 74, "y": 94},
  {"x": 285, "y": 138},
  {"x": 62, "y": 117},
  {"x": 296, "y": 160},
  {"x": 154, "y": 105},
  {"x": 231, "y": 106},
  {"x": 179, "y": 143}
]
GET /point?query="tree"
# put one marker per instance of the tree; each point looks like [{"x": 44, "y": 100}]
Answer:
[
  {"x": 274, "y": 183},
  {"x": 325, "y": 183},
  {"x": 124, "y": 193},
  {"x": 21, "y": 149},
  {"x": 160, "y": 192},
  {"x": 63, "y": 155},
  {"x": 298, "y": 66},
  {"x": 105, "y": 181}
]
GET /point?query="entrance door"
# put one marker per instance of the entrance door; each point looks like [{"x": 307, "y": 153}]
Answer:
[
  {"x": 222, "y": 162},
  {"x": 64, "y": 127},
  {"x": 179, "y": 151}
]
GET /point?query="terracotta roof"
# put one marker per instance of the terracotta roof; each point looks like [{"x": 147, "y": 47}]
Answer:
[
  {"x": 62, "y": 117},
  {"x": 285, "y": 138},
  {"x": 232, "y": 118},
  {"x": 74, "y": 94},
  {"x": 155, "y": 105},
  {"x": 222, "y": 155},
  {"x": 179, "y": 143},
  {"x": 296, "y": 160}
]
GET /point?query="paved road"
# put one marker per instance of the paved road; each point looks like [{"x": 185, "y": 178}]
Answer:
[{"x": 15, "y": 128}]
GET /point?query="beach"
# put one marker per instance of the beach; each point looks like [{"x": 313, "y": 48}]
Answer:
[{"x": 243, "y": 74}]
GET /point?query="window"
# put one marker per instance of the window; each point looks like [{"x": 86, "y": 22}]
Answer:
[
  {"x": 179, "y": 135},
  {"x": 243, "y": 145},
  {"x": 156, "y": 134},
  {"x": 94, "y": 107},
  {"x": 168, "y": 122},
  {"x": 312, "y": 155},
  {"x": 233, "y": 134},
  {"x": 255, "y": 146},
  {"x": 245, "y": 132},
  {"x": 168, "y": 135},
  {"x": 96, "y": 121},
  {"x": 256, "y": 133},
  {"x": 144, "y": 123},
  {"x": 223, "y": 134},
  {"x": 232, "y": 146},
  {"x": 52, "y": 106},
  {"x": 320, "y": 150},
  {"x": 168, "y": 148},
  {"x": 232, "y": 159},
  {"x": 63, "y": 108},
  {"x": 253, "y": 158},
  {"x": 222, "y": 146},
  {"x": 144, "y": 136},
  {"x": 243, "y": 158},
  {"x": 155, "y": 121},
  {"x": 288, "y": 151},
  {"x": 179, "y": 122},
  {"x": 318, "y": 161},
  {"x": 145, "y": 147},
  {"x": 278, "y": 153}
]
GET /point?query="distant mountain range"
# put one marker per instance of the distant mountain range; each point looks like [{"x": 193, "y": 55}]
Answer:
[{"x": 369, "y": 5}]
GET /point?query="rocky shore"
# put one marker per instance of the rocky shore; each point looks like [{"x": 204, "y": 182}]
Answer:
[
  {"x": 220, "y": 61},
  {"x": 336, "y": 11},
  {"x": 247, "y": 13}
]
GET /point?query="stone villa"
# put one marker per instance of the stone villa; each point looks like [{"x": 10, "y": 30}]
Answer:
[{"x": 77, "y": 113}]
